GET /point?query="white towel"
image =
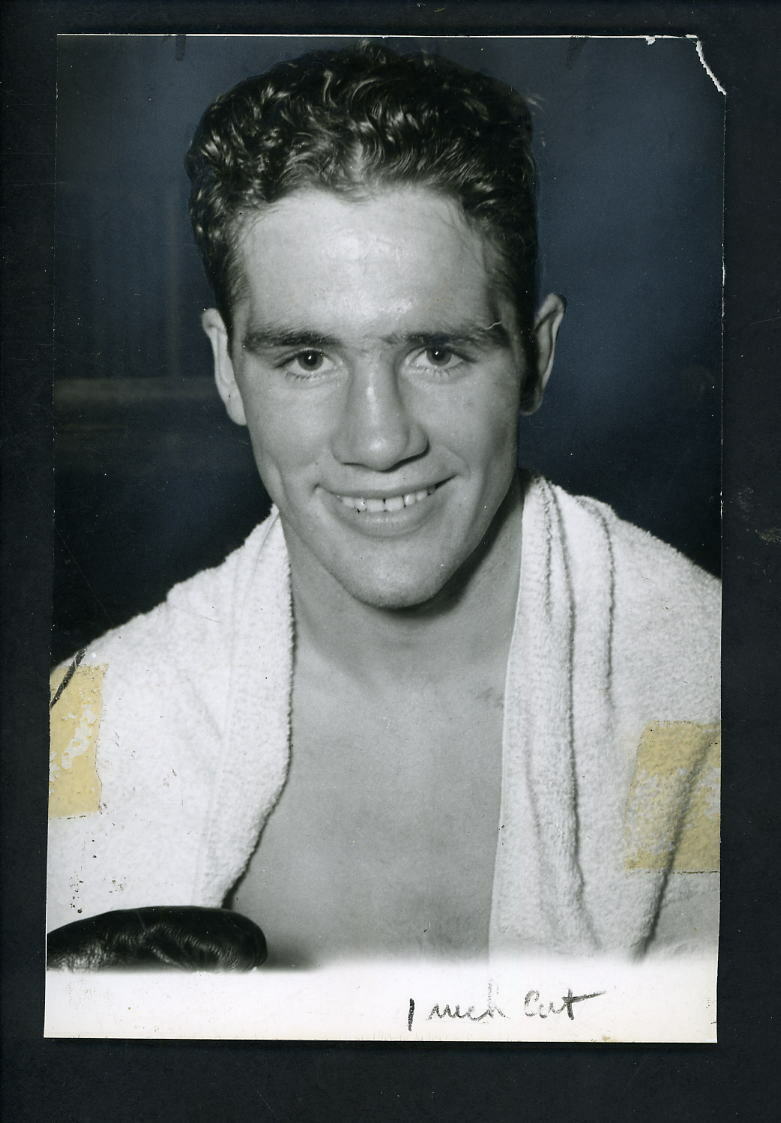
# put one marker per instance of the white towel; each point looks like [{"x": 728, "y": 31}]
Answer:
[
  {"x": 171, "y": 739},
  {"x": 190, "y": 738},
  {"x": 615, "y": 645}
]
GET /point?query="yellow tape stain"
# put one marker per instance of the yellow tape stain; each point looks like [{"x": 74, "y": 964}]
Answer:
[
  {"x": 672, "y": 815},
  {"x": 74, "y": 784}
]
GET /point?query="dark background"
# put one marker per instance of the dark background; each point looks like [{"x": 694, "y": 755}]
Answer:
[
  {"x": 127, "y": 1081},
  {"x": 153, "y": 482}
]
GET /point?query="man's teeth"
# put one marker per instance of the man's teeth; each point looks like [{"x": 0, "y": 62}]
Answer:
[{"x": 393, "y": 503}]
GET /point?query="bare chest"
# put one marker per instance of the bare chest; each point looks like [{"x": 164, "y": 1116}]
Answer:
[{"x": 384, "y": 839}]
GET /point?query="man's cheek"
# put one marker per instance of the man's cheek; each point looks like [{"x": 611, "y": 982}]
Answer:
[
  {"x": 269, "y": 471},
  {"x": 490, "y": 444}
]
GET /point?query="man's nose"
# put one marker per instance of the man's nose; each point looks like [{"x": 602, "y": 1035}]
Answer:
[{"x": 377, "y": 428}]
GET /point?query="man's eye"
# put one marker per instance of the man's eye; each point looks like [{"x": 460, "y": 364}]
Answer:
[
  {"x": 437, "y": 360},
  {"x": 440, "y": 356},
  {"x": 310, "y": 360},
  {"x": 307, "y": 362}
]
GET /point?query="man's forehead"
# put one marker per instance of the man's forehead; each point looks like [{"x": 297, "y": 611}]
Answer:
[
  {"x": 386, "y": 224},
  {"x": 399, "y": 261}
]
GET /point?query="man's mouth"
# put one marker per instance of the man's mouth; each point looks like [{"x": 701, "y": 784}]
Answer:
[{"x": 373, "y": 506}]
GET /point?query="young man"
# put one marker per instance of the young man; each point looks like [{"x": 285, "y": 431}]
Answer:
[{"x": 458, "y": 707}]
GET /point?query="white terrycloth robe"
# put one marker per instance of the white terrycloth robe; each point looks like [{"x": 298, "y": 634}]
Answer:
[{"x": 174, "y": 732}]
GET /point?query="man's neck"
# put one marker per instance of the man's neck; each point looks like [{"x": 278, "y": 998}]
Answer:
[{"x": 468, "y": 624}]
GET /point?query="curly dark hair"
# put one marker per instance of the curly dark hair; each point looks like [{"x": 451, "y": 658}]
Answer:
[{"x": 364, "y": 118}]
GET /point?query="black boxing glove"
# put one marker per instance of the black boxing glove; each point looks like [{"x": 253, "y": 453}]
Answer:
[{"x": 182, "y": 936}]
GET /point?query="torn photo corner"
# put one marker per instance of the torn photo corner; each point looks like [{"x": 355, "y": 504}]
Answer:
[{"x": 385, "y": 688}]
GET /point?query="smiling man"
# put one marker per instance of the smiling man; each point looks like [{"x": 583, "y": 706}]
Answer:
[{"x": 433, "y": 705}]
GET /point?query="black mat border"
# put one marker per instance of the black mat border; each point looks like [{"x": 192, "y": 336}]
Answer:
[{"x": 85, "y": 1081}]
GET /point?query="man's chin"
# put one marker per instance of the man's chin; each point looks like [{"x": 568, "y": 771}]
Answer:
[{"x": 397, "y": 594}]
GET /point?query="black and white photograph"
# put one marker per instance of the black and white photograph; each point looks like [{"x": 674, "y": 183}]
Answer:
[{"x": 385, "y": 700}]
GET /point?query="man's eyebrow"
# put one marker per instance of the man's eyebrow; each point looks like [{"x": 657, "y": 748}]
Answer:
[
  {"x": 473, "y": 333},
  {"x": 269, "y": 339},
  {"x": 459, "y": 335}
]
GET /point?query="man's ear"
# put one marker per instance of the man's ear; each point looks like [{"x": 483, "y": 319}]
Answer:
[
  {"x": 227, "y": 387},
  {"x": 546, "y": 328}
]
